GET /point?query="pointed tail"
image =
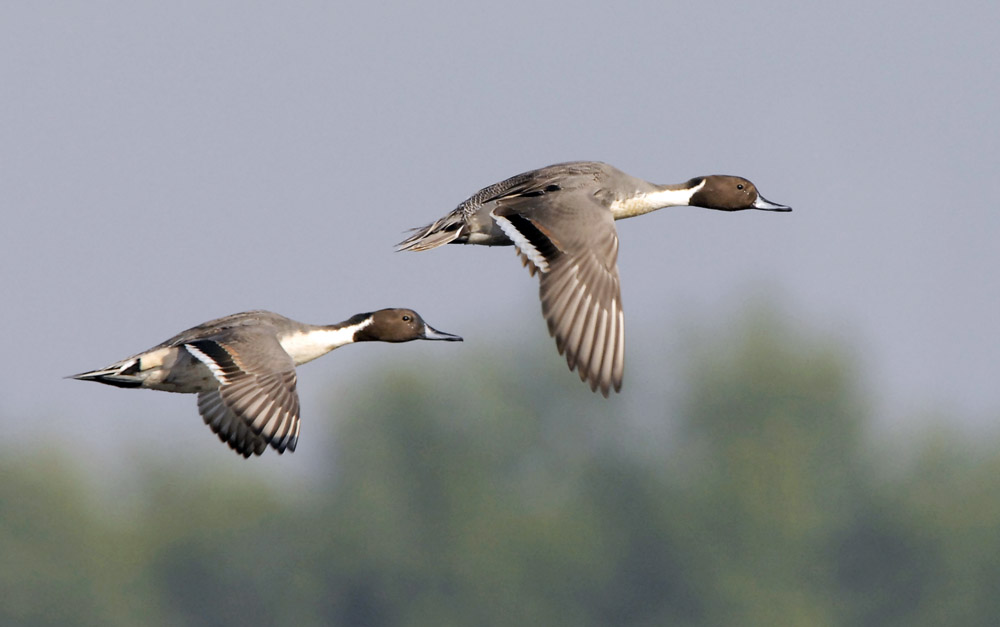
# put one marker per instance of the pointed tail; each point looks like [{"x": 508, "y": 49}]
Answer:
[
  {"x": 120, "y": 375},
  {"x": 443, "y": 231}
]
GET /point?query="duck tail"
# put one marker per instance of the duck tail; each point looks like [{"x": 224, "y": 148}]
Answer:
[
  {"x": 120, "y": 375},
  {"x": 444, "y": 231}
]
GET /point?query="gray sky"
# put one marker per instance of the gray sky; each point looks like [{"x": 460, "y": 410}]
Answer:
[{"x": 165, "y": 163}]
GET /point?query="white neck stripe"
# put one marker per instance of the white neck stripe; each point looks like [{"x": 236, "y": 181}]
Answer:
[
  {"x": 651, "y": 201},
  {"x": 308, "y": 345}
]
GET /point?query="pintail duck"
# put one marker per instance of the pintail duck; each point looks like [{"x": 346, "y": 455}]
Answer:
[
  {"x": 561, "y": 220},
  {"x": 243, "y": 368}
]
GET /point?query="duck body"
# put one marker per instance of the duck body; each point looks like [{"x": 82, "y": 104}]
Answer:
[
  {"x": 474, "y": 221},
  {"x": 172, "y": 365},
  {"x": 561, "y": 220},
  {"x": 242, "y": 367}
]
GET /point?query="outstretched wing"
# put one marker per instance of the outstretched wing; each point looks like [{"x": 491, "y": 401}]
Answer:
[
  {"x": 256, "y": 403},
  {"x": 570, "y": 239}
]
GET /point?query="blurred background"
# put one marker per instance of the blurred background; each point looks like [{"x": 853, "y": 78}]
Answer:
[{"x": 807, "y": 433}]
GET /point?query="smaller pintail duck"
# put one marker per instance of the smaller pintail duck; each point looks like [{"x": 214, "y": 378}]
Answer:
[
  {"x": 242, "y": 367},
  {"x": 561, "y": 219}
]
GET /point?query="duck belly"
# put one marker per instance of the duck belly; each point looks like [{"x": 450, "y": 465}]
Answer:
[
  {"x": 484, "y": 231},
  {"x": 175, "y": 370}
]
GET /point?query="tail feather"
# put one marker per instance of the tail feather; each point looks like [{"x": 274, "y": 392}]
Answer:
[
  {"x": 120, "y": 375},
  {"x": 439, "y": 233}
]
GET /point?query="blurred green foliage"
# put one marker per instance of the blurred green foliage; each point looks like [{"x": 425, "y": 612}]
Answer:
[{"x": 488, "y": 493}]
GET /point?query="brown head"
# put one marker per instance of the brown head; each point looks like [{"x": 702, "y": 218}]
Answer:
[
  {"x": 730, "y": 193},
  {"x": 398, "y": 325}
]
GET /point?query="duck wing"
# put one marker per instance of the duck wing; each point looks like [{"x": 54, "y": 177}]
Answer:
[
  {"x": 256, "y": 403},
  {"x": 568, "y": 236}
]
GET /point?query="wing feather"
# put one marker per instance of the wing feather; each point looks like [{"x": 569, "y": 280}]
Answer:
[
  {"x": 570, "y": 239},
  {"x": 256, "y": 403}
]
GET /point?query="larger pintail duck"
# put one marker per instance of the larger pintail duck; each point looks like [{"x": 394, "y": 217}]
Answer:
[
  {"x": 562, "y": 220},
  {"x": 242, "y": 367}
]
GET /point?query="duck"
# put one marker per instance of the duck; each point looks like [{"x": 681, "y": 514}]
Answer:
[
  {"x": 561, "y": 220},
  {"x": 242, "y": 367}
]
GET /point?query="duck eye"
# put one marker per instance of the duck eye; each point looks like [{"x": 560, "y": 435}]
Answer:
[
  {"x": 406, "y": 318},
  {"x": 739, "y": 186}
]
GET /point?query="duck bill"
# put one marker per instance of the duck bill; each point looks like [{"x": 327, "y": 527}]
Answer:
[
  {"x": 430, "y": 333},
  {"x": 766, "y": 205}
]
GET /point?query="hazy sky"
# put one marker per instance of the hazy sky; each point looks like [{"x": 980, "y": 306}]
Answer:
[{"x": 165, "y": 163}]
